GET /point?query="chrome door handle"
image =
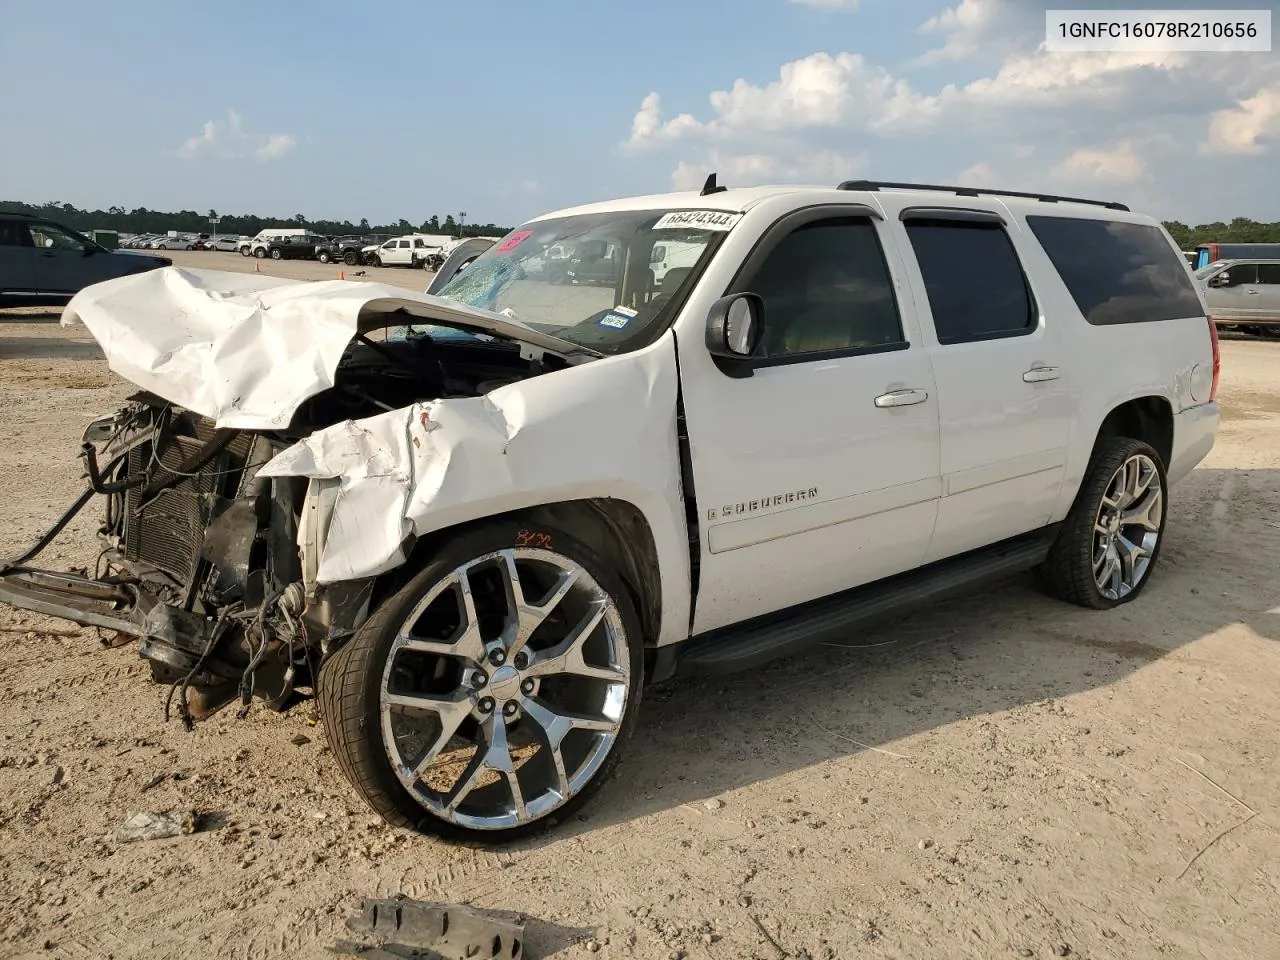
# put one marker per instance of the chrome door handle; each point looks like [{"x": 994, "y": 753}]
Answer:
[
  {"x": 1040, "y": 374},
  {"x": 901, "y": 398},
  {"x": 1253, "y": 293}
]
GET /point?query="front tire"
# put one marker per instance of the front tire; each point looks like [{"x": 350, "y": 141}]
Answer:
[
  {"x": 260, "y": 253},
  {"x": 351, "y": 259},
  {"x": 520, "y": 653},
  {"x": 1109, "y": 543},
  {"x": 323, "y": 256}
]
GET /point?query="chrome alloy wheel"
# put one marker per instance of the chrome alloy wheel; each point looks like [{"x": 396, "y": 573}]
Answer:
[
  {"x": 1127, "y": 527},
  {"x": 504, "y": 689}
]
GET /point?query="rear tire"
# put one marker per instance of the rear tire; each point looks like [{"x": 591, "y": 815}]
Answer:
[
  {"x": 277, "y": 254},
  {"x": 246, "y": 252},
  {"x": 478, "y": 696},
  {"x": 351, "y": 259},
  {"x": 1110, "y": 541},
  {"x": 260, "y": 253}
]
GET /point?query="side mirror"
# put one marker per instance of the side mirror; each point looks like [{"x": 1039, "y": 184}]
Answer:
[{"x": 734, "y": 327}]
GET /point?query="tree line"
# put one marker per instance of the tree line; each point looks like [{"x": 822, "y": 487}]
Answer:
[
  {"x": 142, "y": 220},
  {"x": 1239, "y": 230}
]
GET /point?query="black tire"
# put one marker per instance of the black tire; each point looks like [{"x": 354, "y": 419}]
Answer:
[
  {"x": 277, "y": 254},
  {"x": 375, "y": 261},
  {"x": 1067, "y": 573},
  {"x": 246, "y": 252},
  {"x": 323, "y": 256},
  {"x": 260, "y": 253},
  {"x": 351, "y": 259},
  {"x": 350, "y": 683}
]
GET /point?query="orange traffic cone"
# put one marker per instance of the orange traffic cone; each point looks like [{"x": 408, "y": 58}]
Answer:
[
  {"x": 256, "y": 268},
  {"x": 342, "y": 275}
]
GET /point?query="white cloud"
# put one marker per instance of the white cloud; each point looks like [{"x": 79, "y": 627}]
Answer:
[
  {"x": 1240, "y": 129},
  {"x": 277, "y": 145},
  {"x": 1038, "y": 121},
  {"x": 979, "y": 175},
  {"x": 829, "y": 4},
  {"x": 227, "y": 139},
  {"x": 965, "y": 26},
  {"x": 1115, "y": 165},
  {"x": 826, "y": 167}
]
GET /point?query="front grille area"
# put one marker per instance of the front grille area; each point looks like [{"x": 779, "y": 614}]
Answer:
[{"x": 165, "y": 529}]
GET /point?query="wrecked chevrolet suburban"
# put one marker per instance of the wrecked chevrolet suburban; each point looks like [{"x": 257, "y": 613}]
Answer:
[{"x": 474, "y": 522}]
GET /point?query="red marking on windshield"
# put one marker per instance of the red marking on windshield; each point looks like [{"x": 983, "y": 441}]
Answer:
[{"x": 513, "y": 241}]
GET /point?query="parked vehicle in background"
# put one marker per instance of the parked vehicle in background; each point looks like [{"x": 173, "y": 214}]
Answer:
[
  {"x": 43, "y": 262},
  {"x": 410, "y": 250},
  {"x": 595, "y": 262},
  {"x": 1208, "y": 253},
  {"x": 301, "y": 246},
  {"x": 247, "y": 245},
  {"x": 180, "y": 242},
  {"x": 672, "y": 256},
  {"x": 1191, "y": 257},
  {"x": 225, "y": 244},
  {"x": 1242, "y": 294},
  {"x": 492, "y": 526},
  {"x": 346, "y": 249}
]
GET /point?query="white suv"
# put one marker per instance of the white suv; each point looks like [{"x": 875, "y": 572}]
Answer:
[{"x": 494, "y": 525}]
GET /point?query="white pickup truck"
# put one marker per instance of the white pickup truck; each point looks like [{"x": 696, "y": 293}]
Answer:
[{"x": 494, "y": 525}]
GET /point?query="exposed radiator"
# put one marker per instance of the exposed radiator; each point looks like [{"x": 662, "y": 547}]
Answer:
[{"x": 165, "y": 529}]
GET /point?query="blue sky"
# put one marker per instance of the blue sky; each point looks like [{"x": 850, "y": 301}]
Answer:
[{"x": 505, "y": 109}]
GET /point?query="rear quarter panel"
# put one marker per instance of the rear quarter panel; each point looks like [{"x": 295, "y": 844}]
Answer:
[{"x": 1112, "y": 364}]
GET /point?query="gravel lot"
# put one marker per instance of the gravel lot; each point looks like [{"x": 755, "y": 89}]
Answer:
[{"x": 999, "y": 777}]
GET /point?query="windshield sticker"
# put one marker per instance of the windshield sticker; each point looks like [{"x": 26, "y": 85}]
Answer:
[
  {"x": 625, "y": 311},
  {"x": 716, "y": 220},
  {"x": 513, "y": 241},
  {"x": 615, "y": 320}
]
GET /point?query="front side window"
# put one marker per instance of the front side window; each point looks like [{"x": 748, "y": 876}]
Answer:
[
  {"x": 601, "y": 292},
  {"x": 1118, "y": 272},
  {"x": 827, "y": 290},
  {"x": 1269, "y": 273},
  {"x": 53, "y": 237},
  {"x": 973, "y": 279}
]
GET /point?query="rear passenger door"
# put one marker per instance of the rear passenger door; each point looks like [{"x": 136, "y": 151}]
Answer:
[
  {"x": 1004, "y": 405},
  {"x": 17, "y": 258}
]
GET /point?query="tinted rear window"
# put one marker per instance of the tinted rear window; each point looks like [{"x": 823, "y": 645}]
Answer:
[{"x": 1118, "y": 272}]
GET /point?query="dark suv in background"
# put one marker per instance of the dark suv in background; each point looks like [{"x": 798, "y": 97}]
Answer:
[{"x": 45, "y": 263}]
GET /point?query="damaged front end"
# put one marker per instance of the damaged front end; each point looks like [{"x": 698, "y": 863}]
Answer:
[
  {"x": 199, "y": 557},
  {"x": 211, "y": 563}
]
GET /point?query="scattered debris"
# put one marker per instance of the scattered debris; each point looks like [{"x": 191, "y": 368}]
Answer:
[
  {"x": 300, "y": 740},
  {"x": 769, "y": 937},
  {"x": 155, "y": 781},
  {"x": 156, "y": 826},
  {"x": 714, "y": 804},
  {"x": 1062, "y": 950},
  {"x": 58, "y": 773},
  {"x": 926, "y": 844},
  {"x": 406, "y": 927}
]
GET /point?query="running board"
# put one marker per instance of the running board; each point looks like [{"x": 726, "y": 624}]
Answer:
[{"x": 754, "y": 643}]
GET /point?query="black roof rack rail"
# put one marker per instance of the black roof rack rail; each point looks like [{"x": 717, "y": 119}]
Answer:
[{"x": 873, "y": 185}]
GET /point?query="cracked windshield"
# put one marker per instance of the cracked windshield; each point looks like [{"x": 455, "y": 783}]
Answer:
[{"x": 601, "y": 281}]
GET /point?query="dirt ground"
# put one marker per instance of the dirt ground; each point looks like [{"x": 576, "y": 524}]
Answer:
[{"x": 1005, "y": 776}]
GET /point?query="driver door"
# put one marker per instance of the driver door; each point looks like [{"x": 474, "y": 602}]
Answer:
[{"x": 819, "y": 472}]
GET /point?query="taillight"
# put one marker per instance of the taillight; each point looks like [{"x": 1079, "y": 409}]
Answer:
[{"x": 1217, "y": 358}]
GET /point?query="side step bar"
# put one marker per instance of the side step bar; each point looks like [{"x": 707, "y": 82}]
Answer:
[{"x": 754, "y": 643}]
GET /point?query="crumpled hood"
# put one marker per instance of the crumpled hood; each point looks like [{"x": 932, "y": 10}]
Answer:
[{"x": 247, "y": 350}]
